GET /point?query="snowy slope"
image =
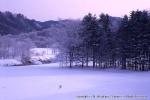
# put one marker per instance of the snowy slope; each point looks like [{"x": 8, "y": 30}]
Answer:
[
  {"x": 9, "y": 62},
  {"x": 37, "y": 55},
  {"x": 43, "y": 54},
  {"x": 43, "y": 82}
]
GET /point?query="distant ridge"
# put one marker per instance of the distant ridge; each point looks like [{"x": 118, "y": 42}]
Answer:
[{"x": 17, "y": 23}]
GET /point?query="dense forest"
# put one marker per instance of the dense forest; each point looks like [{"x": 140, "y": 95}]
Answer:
[
  {"x": 104, "y": 41},
  {"x": 126, "y": 48}
]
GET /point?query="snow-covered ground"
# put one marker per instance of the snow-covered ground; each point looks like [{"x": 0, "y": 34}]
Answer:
[
  {"x": 9, "y": 62},
  {"x": 37, "y": 55},
  {"x": 49, "y": 82},
  {"x": 43, "y": 54}
]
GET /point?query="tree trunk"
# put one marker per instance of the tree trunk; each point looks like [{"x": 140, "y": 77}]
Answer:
[
  {"x": 123, "y": 63},
  {"x": 82, "y": 62},
  {"x": 87, "y": 60},
  {"x": 70, "y": 56}
]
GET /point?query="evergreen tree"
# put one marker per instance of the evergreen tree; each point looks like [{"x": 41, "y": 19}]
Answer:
[
  {"x": 109, "y": 43},
  {"x": 91, "y": 36},
  {"x": 133, "y": 36},
  {"x": 123, "y": 41}
]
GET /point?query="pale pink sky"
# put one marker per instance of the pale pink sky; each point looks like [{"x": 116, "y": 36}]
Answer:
[{"x": 43, "y": 10}]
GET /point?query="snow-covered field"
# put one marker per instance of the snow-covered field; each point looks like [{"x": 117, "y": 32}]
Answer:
[{"x": 48, "y": 82}]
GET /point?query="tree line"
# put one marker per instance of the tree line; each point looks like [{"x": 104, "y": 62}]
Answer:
[
  {"x": 126, "y": 48},
  {"x": 98, "y": 42}
]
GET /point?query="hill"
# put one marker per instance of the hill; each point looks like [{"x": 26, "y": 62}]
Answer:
[
  {"x": 11, "y": 23},
  {"x": 17, "y": 23}
]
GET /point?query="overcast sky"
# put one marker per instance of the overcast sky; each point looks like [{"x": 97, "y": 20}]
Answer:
[{"x": 43, "y": 10}]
